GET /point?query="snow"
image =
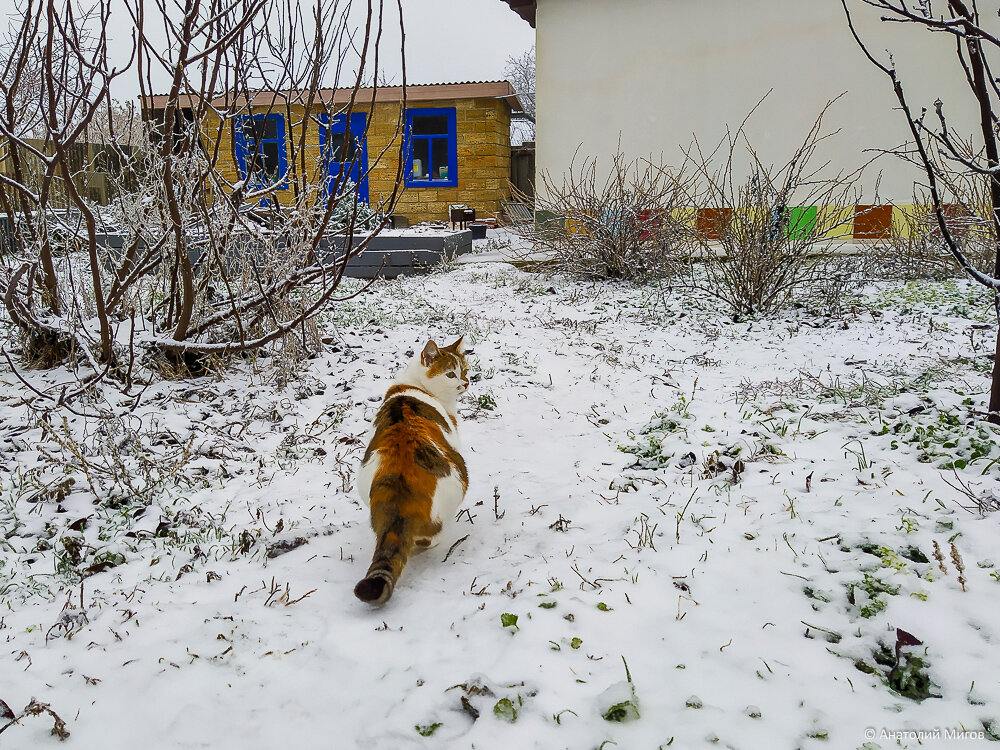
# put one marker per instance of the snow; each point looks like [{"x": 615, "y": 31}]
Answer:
[
  {"x": 503, "y": 245},
  {"x": 699, "y": 582},
  {"x": 420, "y": 230},
  {"x": 521, "y": 132}
]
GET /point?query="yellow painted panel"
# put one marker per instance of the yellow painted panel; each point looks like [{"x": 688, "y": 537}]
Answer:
[
  {"x": 837, "y": 222},
  {"x": 906, "y": 220},
  {"x": 685, "y": 216}
]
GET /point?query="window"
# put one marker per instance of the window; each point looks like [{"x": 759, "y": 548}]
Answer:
[
  {"x": 260, "y": 149},
  {"x": 431, "y": 148},
  {"x": 183, "y": 127},
  {"x": 339, "y": 157}
]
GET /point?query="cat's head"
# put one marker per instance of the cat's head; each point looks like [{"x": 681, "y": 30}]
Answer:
[{"x": 445, "y": 370}]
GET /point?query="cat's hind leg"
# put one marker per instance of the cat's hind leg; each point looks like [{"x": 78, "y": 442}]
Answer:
[{"x": 428, "y": 536}]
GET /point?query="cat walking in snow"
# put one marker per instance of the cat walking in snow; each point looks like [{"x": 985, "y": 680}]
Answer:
[{"x": 413, "y": 476}]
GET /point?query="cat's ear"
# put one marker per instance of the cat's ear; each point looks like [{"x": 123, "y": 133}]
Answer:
[
  {"x": 457, "y": 346},
  {"x": 429, "y": 354}
]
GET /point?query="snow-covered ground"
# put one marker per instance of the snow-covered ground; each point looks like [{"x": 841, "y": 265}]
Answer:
[{"x": 742, "y": 513}]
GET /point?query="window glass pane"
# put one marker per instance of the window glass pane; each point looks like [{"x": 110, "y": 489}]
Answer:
[
  {"x": 254, "y": 161},
  {"x": 270, "y": 163},
  {"x": 430, "y": 125},
  {"x": 335, "y": 144},
  {"x": 256, "y": 131},
  {"x": 439, "y": 158},
  {"x": 421, "y": 162}
]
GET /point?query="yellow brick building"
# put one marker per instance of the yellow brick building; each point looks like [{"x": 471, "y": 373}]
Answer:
[{"x": 454, "y": 140}]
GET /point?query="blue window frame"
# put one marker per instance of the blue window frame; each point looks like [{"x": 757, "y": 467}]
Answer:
[
  {"x": 431, "y": 147},
  {"x": 261, "y": 154},
  {"x": 339, "y": 155}
]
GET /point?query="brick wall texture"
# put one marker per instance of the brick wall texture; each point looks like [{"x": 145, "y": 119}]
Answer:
[{"x": 483, "y": 152}]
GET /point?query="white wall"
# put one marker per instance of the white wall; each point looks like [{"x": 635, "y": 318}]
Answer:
[{"x": 655, "y": 71}]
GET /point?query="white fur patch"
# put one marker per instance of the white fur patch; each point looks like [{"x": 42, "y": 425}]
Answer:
[
  {"x": 448, "y": 495},
  {"x": 366, "y": 475}
]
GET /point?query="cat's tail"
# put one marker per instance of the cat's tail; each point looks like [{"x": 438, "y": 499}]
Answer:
[{"x": 393, "y": 546}]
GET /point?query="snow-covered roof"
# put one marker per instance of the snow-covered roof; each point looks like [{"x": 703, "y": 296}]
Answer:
[{"x": 521, "y": 131}]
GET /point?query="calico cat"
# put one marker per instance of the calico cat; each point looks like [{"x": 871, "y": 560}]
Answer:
[{"x": 412, "y": 475}]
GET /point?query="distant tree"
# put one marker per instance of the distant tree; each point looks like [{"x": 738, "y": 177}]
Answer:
[
  {"x": 944, "y": 157},
  {"x": 27, "y": 68},
  {"x": 520, "y": 71},
  {"x": 118, "y": 123}
]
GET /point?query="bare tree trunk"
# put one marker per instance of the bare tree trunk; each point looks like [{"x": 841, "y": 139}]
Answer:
[
  {"x": 182, "y": 259},
  {"x": 987, "y": 124},
  {"x": 964, "y": 24}
]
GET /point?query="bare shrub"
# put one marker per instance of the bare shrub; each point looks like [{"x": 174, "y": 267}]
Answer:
[
  {"x": 773, "y": 237},
  {"x": 916, "y": 248},
  {"x": 624, "y": 228},
  {"x": 913, "y": 250}
]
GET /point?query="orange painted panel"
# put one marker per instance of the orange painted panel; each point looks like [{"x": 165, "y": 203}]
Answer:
[
  {"x": 872, "y": 222},
  {"x": 711, "y": 223}
]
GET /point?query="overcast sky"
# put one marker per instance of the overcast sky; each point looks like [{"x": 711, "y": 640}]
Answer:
[
  {"x": 446, "y": 40},
  {"x": 461, "y": 40}
]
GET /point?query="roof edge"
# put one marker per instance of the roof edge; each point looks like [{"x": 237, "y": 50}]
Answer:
[
  {"x": 525, "y": 9},
  {"x": 414, "y": 93}
]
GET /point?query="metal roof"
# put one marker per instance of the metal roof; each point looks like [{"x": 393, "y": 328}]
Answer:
[
  {"x": 414, "y": 93},
  {"x": 525, "y": 9}
]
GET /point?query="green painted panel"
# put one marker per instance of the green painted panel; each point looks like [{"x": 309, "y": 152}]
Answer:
[{"x": 802, "y": 221}]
